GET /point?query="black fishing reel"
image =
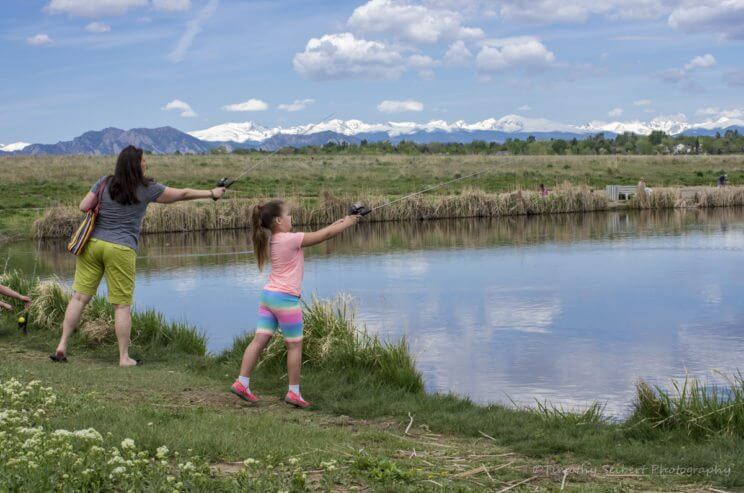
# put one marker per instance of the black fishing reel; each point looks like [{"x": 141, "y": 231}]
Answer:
[
  {"x": 224, "y": 182},
  {"x": 359, "y": 209}
]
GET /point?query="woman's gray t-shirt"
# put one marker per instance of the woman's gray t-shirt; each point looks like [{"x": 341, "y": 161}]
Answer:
[{"x": 121, "y": 224}]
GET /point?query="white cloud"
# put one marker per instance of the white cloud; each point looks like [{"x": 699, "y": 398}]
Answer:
[
  {"x": 250, "y": 105},
  {"x": 615, "y": 112},
  {"x": 193, "y": 27},
  {"x": 722, "y": 113},
  {"x": 183, "y": 107},
  {"x": 39, "y": 40},
  {"x": 524, "y": 107},
  {"x": 724, "y": 17},
  {"x": 578, "y": 11},
  {"x": 457, "y": 54},
  {"x": 341, "y": 55},
  {"x": 171, "y": 5},
  {"x": 93, "y": 8},
  {"x": 642, "y": 102},
  {"x": 524, "y": 52},
  {"x": 406, "y": 21},
  {"x": 389, "y": 106},
  {"x": 97, "y": 27},
  {"x": 296, "y": 105},
  {"x": 424, "y": 64},
  {"x": 685, "y": 73},
  {"x": 705, "y": 61}
]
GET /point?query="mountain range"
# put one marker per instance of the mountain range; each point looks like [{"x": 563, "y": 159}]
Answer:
[{"x": 168, "y": 140}]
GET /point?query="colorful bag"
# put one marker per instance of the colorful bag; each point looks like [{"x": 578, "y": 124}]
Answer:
[{"x": 82, "y": 233}]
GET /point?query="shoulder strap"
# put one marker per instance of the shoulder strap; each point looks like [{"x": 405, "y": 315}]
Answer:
[{"x": 99, "y": 195}]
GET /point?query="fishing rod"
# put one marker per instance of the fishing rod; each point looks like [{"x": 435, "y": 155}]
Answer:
[
  {"x": 226, "y": 182},
  {"x": 361, "y": 209}
]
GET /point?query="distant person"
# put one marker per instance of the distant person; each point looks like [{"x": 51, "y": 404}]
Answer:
[
  {"x": 544, "y": 192},
  {"x": 280, "y": 307},
  {"x": 722, "y": 180},
  {"x": 6, "y": 291},
  {"x": 111, "y": 250}
]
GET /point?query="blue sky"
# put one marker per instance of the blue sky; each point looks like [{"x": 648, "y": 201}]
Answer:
[{"x": 77, "y": 65}]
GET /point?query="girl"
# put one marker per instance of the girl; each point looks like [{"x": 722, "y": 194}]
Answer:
[
  {"x": 111, "y": 250},
  {"x": 280, "y": 300}
]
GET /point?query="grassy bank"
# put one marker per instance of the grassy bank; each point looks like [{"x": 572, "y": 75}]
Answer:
[
  {"x": 40, "y": 183},
  {"x": 373, "y": 426},
  {"x": 59, "y": 222},
  {"x": 232, "y": 214}
]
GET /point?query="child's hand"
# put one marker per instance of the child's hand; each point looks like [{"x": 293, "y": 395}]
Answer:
[
  {"x": 5, "y": 306},
  {"x": 352, "y": 220},
  {"x": 26, "y": 302}
]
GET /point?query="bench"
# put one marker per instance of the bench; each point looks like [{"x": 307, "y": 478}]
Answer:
[{"x": 620, "y": 192}]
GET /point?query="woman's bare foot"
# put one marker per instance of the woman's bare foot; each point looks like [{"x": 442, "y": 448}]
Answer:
[{"x": 126, "y": 363}]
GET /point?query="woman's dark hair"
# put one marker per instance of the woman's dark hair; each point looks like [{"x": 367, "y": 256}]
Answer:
[
  {"x": 262, "y": 219},
  {"x": 127, "y": 176}
]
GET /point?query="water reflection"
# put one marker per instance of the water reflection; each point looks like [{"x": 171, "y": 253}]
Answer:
[{"x": 568, "y": 308}]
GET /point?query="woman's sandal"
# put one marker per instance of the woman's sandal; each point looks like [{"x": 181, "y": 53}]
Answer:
[{"x": 58, "y": 357}]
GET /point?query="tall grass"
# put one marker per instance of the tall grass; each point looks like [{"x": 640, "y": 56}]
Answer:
[
  {"x": 149, "y": 329},
  {"x": 332, "y": 336},
  {"x": 333, "y": 340},
  {"x": 230, "y": 214},
  {"x": 699, "y": 409}
]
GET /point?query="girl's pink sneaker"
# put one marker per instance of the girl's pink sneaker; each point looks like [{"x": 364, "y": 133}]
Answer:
[
  {"x": 239, "y": 389},
  {"x": 296, "y": 400}
]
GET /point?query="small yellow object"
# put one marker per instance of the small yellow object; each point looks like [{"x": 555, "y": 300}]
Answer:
[{"x": 21, "y": 319}]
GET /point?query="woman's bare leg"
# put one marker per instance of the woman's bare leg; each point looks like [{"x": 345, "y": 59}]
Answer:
[
  {"x": 123, "y": 327},
  {"x": 74, "y": 311}
]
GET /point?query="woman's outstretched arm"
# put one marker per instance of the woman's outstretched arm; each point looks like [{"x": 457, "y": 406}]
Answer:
[{"x": 171, "y": 195}]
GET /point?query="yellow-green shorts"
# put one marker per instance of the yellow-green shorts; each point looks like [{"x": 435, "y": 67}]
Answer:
[{"x": 116, "y": 262}]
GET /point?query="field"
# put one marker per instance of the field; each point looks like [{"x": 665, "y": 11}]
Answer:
[
  {"x": 29, "y": 185},
  {"x": 372, "y": 427}
]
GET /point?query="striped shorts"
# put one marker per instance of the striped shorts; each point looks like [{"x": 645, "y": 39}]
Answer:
[{"x": 280, "y": 311}]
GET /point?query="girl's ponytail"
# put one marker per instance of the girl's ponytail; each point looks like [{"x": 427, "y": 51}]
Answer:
[{"x": 262, "y": 220}]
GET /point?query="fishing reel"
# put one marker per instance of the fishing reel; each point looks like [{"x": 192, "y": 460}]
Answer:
[
  {"x": 224, "y": 182},
  {"x": 359, "y": 209},
  {"x": 23, "y": 323}
]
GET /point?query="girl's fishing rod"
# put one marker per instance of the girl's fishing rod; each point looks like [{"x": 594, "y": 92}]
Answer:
[
  {"x": 362, "y": 210},
  {"x": 226, "y": 182}
]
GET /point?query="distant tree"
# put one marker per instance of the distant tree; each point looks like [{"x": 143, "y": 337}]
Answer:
[{"x": 656, "y": 137}]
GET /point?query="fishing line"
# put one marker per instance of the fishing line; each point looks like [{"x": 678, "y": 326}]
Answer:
[
  {"x": 226, "y": 182},
  {"x": 429, "y": 189}
]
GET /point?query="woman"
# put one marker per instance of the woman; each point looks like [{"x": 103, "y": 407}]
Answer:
[{"x": 112, "y": 248}]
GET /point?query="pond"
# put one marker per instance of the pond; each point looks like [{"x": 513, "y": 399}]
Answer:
[{"x": 569, "y": 308}]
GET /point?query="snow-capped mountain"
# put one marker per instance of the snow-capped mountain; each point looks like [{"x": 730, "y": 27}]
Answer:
[
  {"x": 673, "y": 125},
  {"x": 16, "y": 146},
  {"x": 252, "y": 135},
  {"x": 250, "y": 131}
]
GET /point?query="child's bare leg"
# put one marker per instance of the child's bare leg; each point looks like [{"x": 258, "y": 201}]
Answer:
[
  {"x": 252, "y": 353},
  {"x": 294, "y": 361}
]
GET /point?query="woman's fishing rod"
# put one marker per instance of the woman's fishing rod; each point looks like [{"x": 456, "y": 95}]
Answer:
[
  {"x": 226, "y": 182},
  {"x": 362, "y": 210}
]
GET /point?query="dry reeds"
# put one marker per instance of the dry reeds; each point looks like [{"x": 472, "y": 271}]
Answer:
[{"x": 231, "y": 214}]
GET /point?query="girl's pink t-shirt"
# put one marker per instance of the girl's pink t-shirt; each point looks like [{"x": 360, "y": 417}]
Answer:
[{"x": 287, "y": 263}]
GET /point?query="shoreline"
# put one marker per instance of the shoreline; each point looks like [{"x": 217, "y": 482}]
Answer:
[
  {"x": 60, "y": 221},
  {"x": 353, "y": 375}
]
